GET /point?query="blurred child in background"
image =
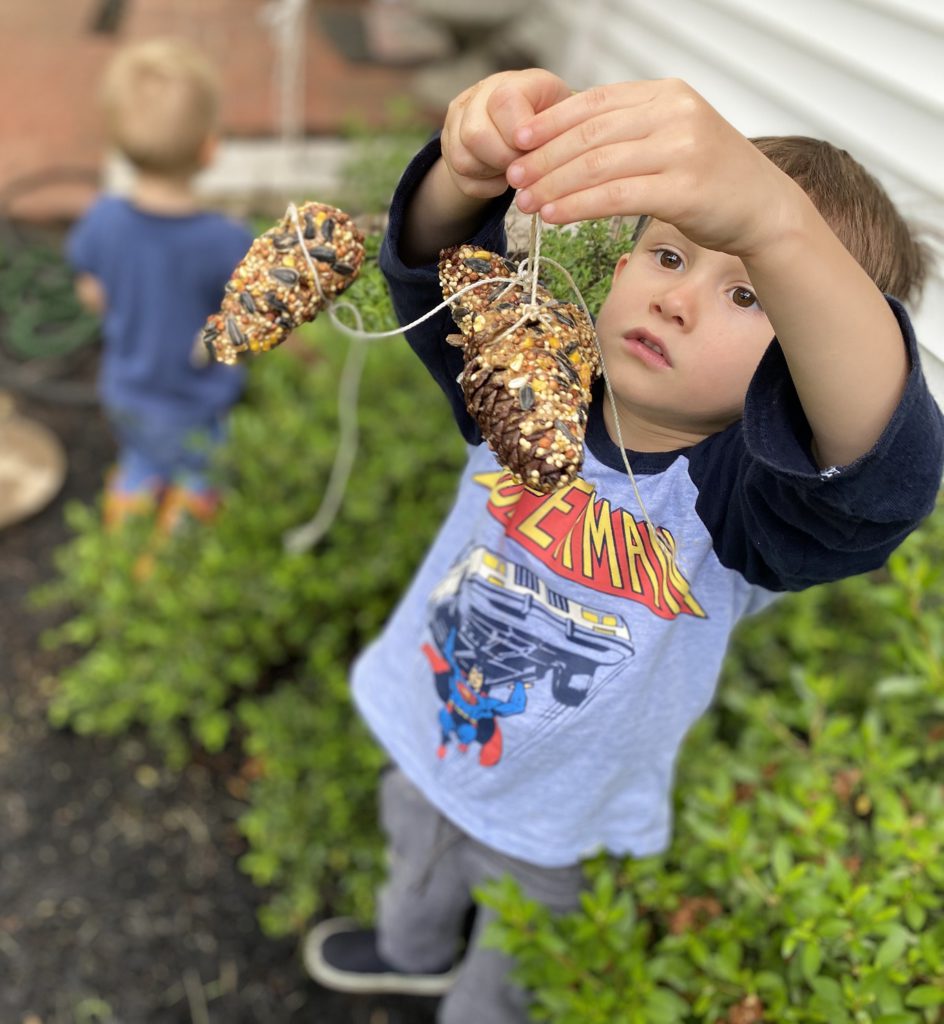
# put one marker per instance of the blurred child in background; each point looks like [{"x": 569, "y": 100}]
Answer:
[{"x": 153, "y": 266}]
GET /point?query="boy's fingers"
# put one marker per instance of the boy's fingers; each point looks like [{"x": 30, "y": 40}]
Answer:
[
  {"x": 553, "y": 120},
  {"x": 626, "y": 197},
  {"x": 576, "y": 169},
  {"x": 471, "y": 145},
  {"x": 615, "y": 180},
  {"x": 481, "y": 154},
  {"x": 596, "y": 143},
  {"x": 481, "y": 124},
  {"x": 516, "y": 102}
]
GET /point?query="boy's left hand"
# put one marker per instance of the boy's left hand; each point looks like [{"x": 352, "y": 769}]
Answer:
[{"x": 650, "y": 147}]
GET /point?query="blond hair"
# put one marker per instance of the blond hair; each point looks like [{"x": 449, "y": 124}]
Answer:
[
  {"x": 858, "y": 209},
  {"x": 161, "y": 102}
]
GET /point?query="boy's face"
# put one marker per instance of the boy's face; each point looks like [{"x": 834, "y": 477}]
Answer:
[{"x": 681, "y": 333}]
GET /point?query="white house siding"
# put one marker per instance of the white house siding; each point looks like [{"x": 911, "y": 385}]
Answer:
[{"x": 866, "y": 74}]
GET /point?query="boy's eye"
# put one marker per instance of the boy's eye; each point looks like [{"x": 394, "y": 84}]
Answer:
[
  {"x": 743, "y": 297},
  {"x": 667, "y": 258}
]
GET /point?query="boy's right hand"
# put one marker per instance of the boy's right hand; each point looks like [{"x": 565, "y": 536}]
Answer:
[
  {"x": 476, "y": 151},
  {"x": 477, "y": 136}
]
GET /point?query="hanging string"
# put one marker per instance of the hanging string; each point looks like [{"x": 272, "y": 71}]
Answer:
[
  {"x": 286, "y": 20},
  {"x": 304, "y": 537},
  {"x": 608, "y": 387}
]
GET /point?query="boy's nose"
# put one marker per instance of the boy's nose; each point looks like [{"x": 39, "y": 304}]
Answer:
[{"x": 672, "y": 305}]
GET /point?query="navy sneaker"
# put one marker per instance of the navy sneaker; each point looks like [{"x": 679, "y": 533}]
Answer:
[{"x": 341, "y": 955}]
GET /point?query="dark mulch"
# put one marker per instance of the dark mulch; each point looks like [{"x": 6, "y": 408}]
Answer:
[{"x": 120, "y": 895}]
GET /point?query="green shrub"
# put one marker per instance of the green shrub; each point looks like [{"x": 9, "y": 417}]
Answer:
[
  {"x": 805, "y": 881},
  {"x": 378, "y": 156},
  {"x": 233, "y": 641},
  {"x": 39, "y": 312}
]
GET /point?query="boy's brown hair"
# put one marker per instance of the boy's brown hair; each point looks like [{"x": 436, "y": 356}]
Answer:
[
  {"x": 856, "y": 206},
  {"x": 161, "y": 101},
  {"x": 858, "y": 209}
]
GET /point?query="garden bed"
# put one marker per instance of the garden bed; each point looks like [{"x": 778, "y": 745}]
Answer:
[{"x": 121, "y": 899}]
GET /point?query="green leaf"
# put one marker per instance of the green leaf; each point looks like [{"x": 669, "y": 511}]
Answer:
[
  {"x": 212, "y": 730},
  {"x": 663, "y": 1006},
  {"x": 782, "y": 859},
  {"x": 811, "y": 960},
  {"x": 892, "y": 947},
  {"x": 925, "y": 996}
]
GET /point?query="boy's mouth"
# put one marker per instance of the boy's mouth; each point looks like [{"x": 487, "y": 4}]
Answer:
[{"x": 648, "y": 347}]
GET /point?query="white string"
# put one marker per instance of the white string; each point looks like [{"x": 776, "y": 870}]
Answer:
[
  {"x": 359, "y": 332},
  {"x": 304, "y": 537},
  {"x": 608, "y": 387},
  {"x": 286, "y": 20}
]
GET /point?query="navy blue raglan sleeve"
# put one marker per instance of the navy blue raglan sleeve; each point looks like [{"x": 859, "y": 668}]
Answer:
[
  {"x": 784, "y": 523},
  {"x": 415, "y": 290}
]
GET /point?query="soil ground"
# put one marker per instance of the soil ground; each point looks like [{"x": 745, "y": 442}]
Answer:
[{"x": 121, "y": 901}]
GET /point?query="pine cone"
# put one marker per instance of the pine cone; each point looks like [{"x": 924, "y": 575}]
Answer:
[
  {"x": 462, "y": 265},
  {"x": 528, "y": 388},
  {"x": 272, "y": 291}
]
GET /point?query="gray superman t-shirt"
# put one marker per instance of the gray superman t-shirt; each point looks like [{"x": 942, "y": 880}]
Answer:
[{"x": 539, "y": 675}]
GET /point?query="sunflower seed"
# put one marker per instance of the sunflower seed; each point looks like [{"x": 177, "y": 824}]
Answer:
[
  {"x": 276, "y": 303},
  {"x": 322, "y": 253},
  {"x": 567, "y": 366},
  {"x": 479, "y": 266},
  {"x": 285, "y": 275},
  {"x": 565, "y": 430},
  {"x": 236, "y": 336}
]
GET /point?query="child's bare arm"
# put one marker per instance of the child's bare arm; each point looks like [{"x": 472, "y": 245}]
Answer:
[
  {"x": 476, "y": 150},
  {"x": 90, "y": 293},
  {"x": 660, "y": 148}
]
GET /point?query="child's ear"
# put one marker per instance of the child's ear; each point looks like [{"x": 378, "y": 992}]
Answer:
[
  {"x": 208, "y": 150},
  {"x": 621, "y": 265}
]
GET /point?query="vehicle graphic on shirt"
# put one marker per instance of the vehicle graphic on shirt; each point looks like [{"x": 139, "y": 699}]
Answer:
[{"x": 489, "y": 648}]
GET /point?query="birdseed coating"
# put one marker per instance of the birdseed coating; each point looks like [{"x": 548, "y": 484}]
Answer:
[
  {"x": 272, "y": 290},
  {"x": 528, "y": 388}
]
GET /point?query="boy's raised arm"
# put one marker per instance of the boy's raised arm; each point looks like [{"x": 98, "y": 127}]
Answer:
[
  {"x": 476, "y": 151},
  {"x": 659, "y": 148},
  {"x": 840, "y": 338},
  {"x": 438, "y": 215}
]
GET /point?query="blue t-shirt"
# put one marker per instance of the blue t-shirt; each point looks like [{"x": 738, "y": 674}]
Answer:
[{"x": 162, "y": 276}]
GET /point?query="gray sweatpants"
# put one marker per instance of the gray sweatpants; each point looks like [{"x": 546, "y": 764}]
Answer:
[{"x": 423, "y": 905}]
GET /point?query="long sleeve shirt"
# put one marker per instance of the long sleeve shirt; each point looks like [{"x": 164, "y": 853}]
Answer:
[{"x": 601, "y": 649}]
